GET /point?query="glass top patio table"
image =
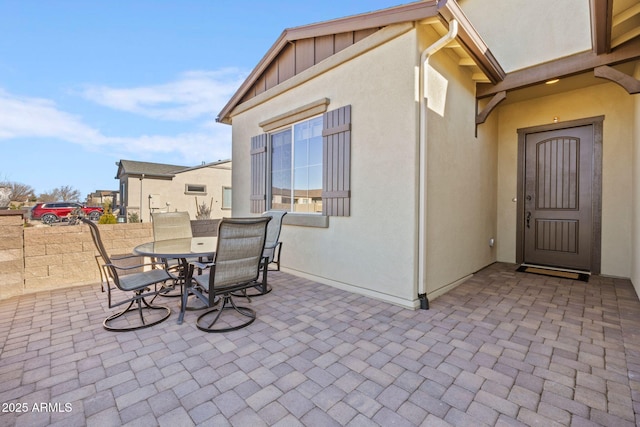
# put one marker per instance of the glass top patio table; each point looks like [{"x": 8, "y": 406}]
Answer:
[
  {"x": 189, "y": 247},
  {"x": 182, "y": 250}
]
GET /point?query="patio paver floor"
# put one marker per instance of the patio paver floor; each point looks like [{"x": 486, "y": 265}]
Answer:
[{"x": 504, "y": 348}]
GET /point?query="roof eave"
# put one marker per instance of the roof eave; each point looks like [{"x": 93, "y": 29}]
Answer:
[
  {"x": 473, "y": 43},
  {"x": 408, "y": 12},
  {"x": 150, "y": 175},
  {"x": 560, "y": 68}
]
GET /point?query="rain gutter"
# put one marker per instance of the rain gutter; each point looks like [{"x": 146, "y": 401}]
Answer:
[{"x": 422, "y": 154}]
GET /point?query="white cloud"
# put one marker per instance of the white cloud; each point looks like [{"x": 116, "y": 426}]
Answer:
[
  {"x": 196, "y": 96},
  {"x": 35, "y": 117},
  {"x": 193, "y": 95},
  {"x": 188, "y": 148}
]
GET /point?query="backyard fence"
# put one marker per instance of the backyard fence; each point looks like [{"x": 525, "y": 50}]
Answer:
[{"x": 34, "y": 259}]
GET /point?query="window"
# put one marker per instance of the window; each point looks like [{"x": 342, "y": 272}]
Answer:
[
  {"x": 226, "y": 197},
  {"x": 296, "y": 168},
  {"x": 195, "y": 189},
  {"x": 304, "y": 168}
]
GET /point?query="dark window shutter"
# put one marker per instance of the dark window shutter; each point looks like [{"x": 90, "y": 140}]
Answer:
[
  {"x": 336, "y": 161},
  {"x": 259, "y": 173}
]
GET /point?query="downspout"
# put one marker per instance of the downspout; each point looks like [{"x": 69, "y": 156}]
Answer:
[{"x": 422, "y": 154}]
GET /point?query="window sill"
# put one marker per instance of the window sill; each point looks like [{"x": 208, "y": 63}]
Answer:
[{"x": 304, "y": 220}]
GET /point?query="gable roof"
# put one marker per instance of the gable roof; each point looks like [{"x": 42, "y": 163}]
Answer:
[
  {"x": 148, "y": 169},
  {"x": 159, "y": 170},
  {"x": 220, "y": 164},
  {"x": 470, "y": 47},
  {"x": 364, "y": 24},
  {"x": 615, "y": 31}
]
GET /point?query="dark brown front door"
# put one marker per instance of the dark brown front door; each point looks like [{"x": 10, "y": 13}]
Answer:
[{"x": 558, "y": 208}]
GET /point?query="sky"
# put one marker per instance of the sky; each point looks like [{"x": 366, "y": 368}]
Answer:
[{"x": 84, "y": 84}]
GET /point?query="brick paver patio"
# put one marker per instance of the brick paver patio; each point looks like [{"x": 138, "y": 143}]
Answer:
[{"x": 504, "y": 348}]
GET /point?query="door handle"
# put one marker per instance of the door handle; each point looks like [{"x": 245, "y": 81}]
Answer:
[{"x": 528, "y": 219}]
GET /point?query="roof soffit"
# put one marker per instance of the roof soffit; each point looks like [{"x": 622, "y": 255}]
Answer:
[
  {"x": 524, "y": 33},
  {"x": 477, "y": 50},
  {"x": 624, "y": 21},
  {"x": 615, "y": 40}
]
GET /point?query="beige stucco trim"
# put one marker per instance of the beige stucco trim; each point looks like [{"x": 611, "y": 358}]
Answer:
[
  {"x": 306, "y": 220},
  {"x": 295, "y": 115},
  {"x": 378, "y": 38}
]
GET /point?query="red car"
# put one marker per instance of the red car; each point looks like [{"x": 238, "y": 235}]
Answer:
[{"x": 53, "y": 212}]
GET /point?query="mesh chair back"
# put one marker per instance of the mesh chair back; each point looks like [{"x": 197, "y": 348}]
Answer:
[
  {"x": 239, "y": 251},
  {"x": 106, "y": 261},
  {"x": 171, "y": 225},
  {"x": 273, "y": 230}
]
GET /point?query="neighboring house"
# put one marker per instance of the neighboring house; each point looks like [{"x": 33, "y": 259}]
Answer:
[
  {"x": 154, "y": 187},
  {"x": 496, "y": 163},
  {"x": 100, "y": 197}
]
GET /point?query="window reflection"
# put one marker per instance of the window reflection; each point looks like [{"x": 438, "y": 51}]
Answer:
[{"x": 296, "y": 174}]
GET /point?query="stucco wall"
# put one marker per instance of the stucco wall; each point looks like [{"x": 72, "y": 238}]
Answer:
[
  {"x": 173, "y": 192},
  {"x": 635, "y": 226},
  {"x": 461, "y": 178},
  {"x": 617, "y": 106},
  {"x": 373, "y": 250}
]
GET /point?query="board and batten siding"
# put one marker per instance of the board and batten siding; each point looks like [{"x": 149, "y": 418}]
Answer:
[{"x": 299, "y": 55}]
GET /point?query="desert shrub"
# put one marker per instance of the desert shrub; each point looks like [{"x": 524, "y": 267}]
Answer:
[
  {"x": 133, "y": 217},
  {"x": 107, "y": 216},
  {"x": 203, "y": 211}
]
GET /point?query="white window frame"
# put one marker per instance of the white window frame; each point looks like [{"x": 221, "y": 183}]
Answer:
[
  {"x": 269, "y": 187},
  {"x": 230, "y": 198},
  {"x": 189, "y": 189}
]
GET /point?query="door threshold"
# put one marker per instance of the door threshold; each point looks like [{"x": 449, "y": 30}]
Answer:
[{"x": 546, "y": 267}]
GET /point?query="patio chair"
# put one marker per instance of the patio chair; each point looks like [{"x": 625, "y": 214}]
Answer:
[
  {"x": 273, "y": 245},
  {"x": 142, "y": 284},
  {"x": 236, "y": 267},
  {"x": 172, "y": 225},
  {"x": 271, "y": 253}
]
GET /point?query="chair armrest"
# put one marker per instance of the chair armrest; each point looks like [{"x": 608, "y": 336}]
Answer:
[
  {"x": 125, "y": 256},
  {"x": 202, "y": 265},
  {"x": 132, "y": 267}
]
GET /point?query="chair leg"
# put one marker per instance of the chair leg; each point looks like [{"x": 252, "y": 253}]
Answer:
[
  {"x": 276, "y": 257},
  {"x": 178, "y": 281},
  {"x": 109, "y": 327},
  {"x": 227, "y": 304}
]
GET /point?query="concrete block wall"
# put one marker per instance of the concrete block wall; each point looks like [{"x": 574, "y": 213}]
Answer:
[
  {"x": 11, "y": 254},
  {"x": 60, "y": 256}
]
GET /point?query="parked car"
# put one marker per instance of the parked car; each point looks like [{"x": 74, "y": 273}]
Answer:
[{"x": 54, "y": 212}]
